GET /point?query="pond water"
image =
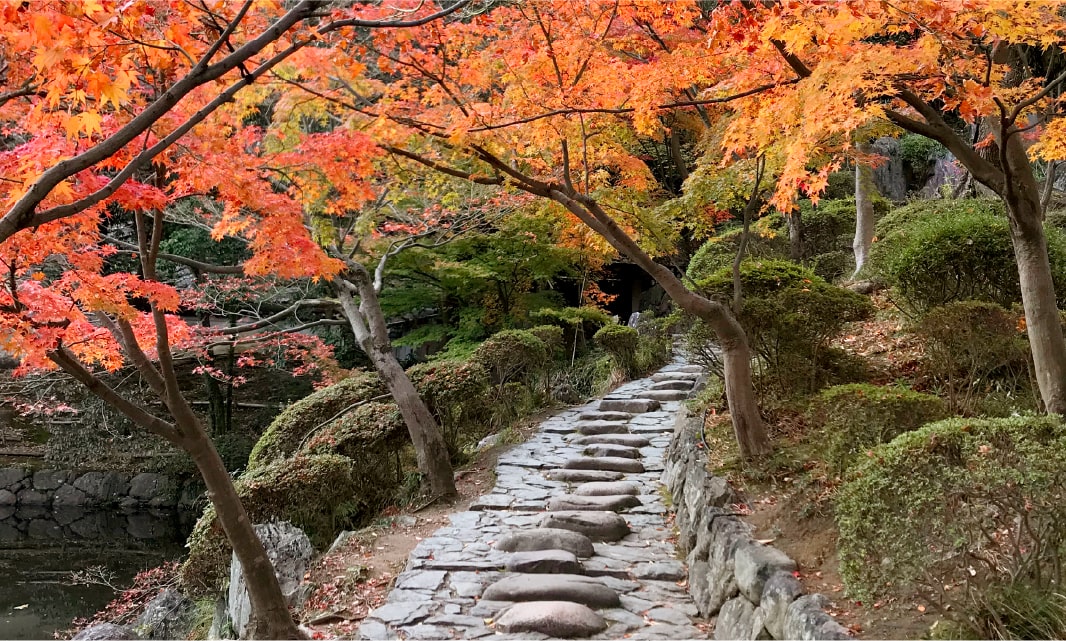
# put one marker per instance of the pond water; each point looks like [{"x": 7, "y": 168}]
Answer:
[{"x": 41, "y": 548}]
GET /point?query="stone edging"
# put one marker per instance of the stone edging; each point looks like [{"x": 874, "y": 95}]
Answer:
[
  {"x": 64, "y": 488},
  {"x": 748, "y": 585}
]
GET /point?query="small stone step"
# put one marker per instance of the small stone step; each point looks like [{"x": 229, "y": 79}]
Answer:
[
  {"x": 544, "y": 562},
  {"x": 631, "y": 405},
  {"x": 668, "y": 385},
  {"x": 665, "y": 395},
  {"x": 674, "y": 376},
  {"x": 547, "y": 538},
  {"x": 583, "y": 476},
  {"x": 589, "y": 428},
  {"x": 553, "y": 587},
  {"x": 614, "y": 502},
  {"x": 689, "y": 369},
  {"x": 597, "y": 526},
  {"x": 630, "y": 440},
  {"x": 604, "y": 463},
  {"x": 558, "y": 619},
  {"x": 610, "y": 449},
  {"x": 604, "y": 416},
  {"x": 659, "y": 571},
  {"x": 609, "y": 488}
]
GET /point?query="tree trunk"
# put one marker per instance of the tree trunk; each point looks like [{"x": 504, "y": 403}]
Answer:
[
  {"x": 371, "y": 331},
  {"x": 864, "y": 214},
  {"x": 795, "y": 235}
]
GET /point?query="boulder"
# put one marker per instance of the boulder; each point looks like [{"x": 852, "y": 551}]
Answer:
[
  {"x": 582, "y": 476},
  {"x": 45, "y": 480},
  {"x": 553, "y": 587},
  {"x": 290, "y": 551},
  {"x": 101, "y": 487},
  {"x": 607, "y": 488},
  {"x": 615, "y": 503},
  {"x": 589, "y": 428},
  {"x": 736, "y": 620},
  {"x": 33, "y": 497},
  {"x": 558, "y": 619},
  {"x": 665, "y": 395},
  {"x": 659, "y": 571},
  {"x": 755, "y": 563},
  {"x": 105, "y": 632},
  {"x": 598, "y": 526},
  {"x": 544, "y": 562},
  {"x": 11, "y": 477},
  {"x": 610, "y": 449},
  {"x": 68, "y": 496},
  {"x": 629, "y": 405},
  {"x": 604, "y": 464},
  {"x": 780, "y": 590},
  {"x": 8, "y": 498},
  {"x": 170, "y": 615},
  {"x": 677, "y": 384},
  {"x": 546, "y": 539},
  {"x": 806, "y": 619},
  {"x": 157, "y": 490}
]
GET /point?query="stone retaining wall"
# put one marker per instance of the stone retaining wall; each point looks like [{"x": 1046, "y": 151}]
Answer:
[
  {"x": 749, "y": 586},
  {"x": 64, "y": 488}
]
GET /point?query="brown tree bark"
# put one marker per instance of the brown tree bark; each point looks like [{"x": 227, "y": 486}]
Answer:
[{"x": 368, "y": 325}]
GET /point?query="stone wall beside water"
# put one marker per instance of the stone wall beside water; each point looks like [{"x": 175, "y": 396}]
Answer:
[{"x": 54, "y": 489}]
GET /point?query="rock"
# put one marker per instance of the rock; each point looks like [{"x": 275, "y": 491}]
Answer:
[
  {"x": 665, "y": 395},
  {"x": 659, "y": 571},
  {"x": 677, "y": 384},
  {"x": 805, "y": 619},
  {"x": 615, "y": 503},
  {"x": 866, "y": 287},
  {"x": 68, "y": 496},
  {"x": 582, "y": 476},
  {"x": 156, "y": 490},
  {"x": 598, "y": 526},
  {"x": 755, "y": 563},
  {"x": 607, "y": 488},
  {"x": 668, "y": 615},
  {"x": 40, "y": 529},
  {"x": 689, "y": 369},
  {"x": 168, "y": 616},
  {"x": 402, "y": 612},
  {"x": 221, "y": 626},
  {"x": 148, "y": 527},
  {"x": 105, "y": 632},
  {"x": 101, "y": 487},
  {"x": 604, "y": 463},
  {"x": 631, "y": 440},
  {"x": 604, "y": 416},
  {"x": 544, "y": 562},
  {"x": 779, "y": 591},
  {"x": 12, "y": 476},
  {"x": 33, "y": 497},
  {"x": 371, "y": 630},
  {"x": 736, "y": 620},
  {"x": 45, "y": 480},
  {"x": 559, "y": 619},
  {"x": 553, "y": 587},
  {"x": 9, "y": 498},
  {"x": 545, "y": 538},
  {"x": 610, "y": 449},
  {"x": 674, "y": 376},
  {"x": 289, "y": 551},
  {"x": 630, "y": 405},
  {"x": 589, "y": 428},
  {"x": 489, "y": 441}
]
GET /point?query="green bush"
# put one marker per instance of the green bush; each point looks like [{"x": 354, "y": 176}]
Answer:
[
  {"x": 511, "y": 354},
  {"x": 578, "y": 324},
  {"x": 765, "y": 240},
  {"x": 972, "y": 347},
  {"x": 906, "y": 216},
  {"x": 790, "y": 315},
  {"x": 621, "y": 343},
  {"x": 958, "y": 512},
  {"x": 551, "y": 336},
  {"x": 830, "y": 227},
  {"x": 290, "y": 429},
  {"x": 857, "y": 417},
  {"x": 455, "y": 392},
  {"x": 321, "y": 494},
  {"x": 967, "y": 256},
  {"x": 655, "y": 341},
  {"x": 366, "y": 434},
  {"x": 1056, "y": 219}
]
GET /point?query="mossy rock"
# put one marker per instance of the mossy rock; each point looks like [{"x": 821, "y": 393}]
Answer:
[
  {"x": 365, "y": 435},
  {"x": 291, "y": 428}
]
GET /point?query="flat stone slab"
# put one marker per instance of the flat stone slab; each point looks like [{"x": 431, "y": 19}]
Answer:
[
  {"x": 583, "y": 476},
  {"x": 615, "y": 503},
  {"x": 608, "y": 488},
  {"x": 604, "y": 416},
  {"x": 665, "y": 395},
  {"x": 600, "y": 427},
  {"x": 610, "y": 449},
  {"x": 547, "y": 538},
  {"x": 630, "y": 405},
  {"x": 604, "y": 463},
  {"x": 659, "y": 571},
  {"x": 553, "y": 587},
  {"x": 560, "y": 619},
  {"x": 597, "y": 526},
  {"x": 674, "y": 376},
  {"x": 544, "y": 562},
  {"x": 630, "y": 440},
  {"x": 672, "y": 385},
  {"x": 689, "y": 369}
]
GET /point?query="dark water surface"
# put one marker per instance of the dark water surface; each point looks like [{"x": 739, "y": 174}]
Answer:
[{"x": 41, "y": 548}]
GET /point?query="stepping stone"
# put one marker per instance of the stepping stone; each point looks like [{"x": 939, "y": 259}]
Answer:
[
  {"x": 689, "y": 369},
  {"x": 583, "y": 476},
  {"x": 609, "y": 488},
  {"x": 558, "y": 619},
  {"x": 604, "y": 416},
  {"x": 553, "y": 587},
  {"x": 547, "y": 538},
  {"x": 630, "y": 440},
  {"x": 608, "y": 463},
  {"x": 614, "y": 503},
  {"x": 659, "y": 571},
  {"x": 674, "y": 376},
  {"x": 668, "y": 385},
  {"x": 544, "y": 562},
  {"x": 597, "y": 526},
  {"x": 610, "y": 449},
  {"x": 631, "y": 405},
  {"x": 600, "y": 427},
  {"x": 665, "y": 395}
]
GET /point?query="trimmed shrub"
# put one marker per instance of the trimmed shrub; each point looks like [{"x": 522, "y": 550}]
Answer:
[
  {"x": 967, "y": 256},
  {"x": 857, "y": 417},
  {"x": 551, "y": 336},
  {"x": 971, "y": 347},
  {"x": 321, "y": 494},
  {"x": 290, "y": 429},
  {"x": 578, "y": 324},
  {"x": 655, "y": 341},
  {"x": 511, "y": 354},
  {"x": 790, "y": 315},
  {"x": 904, "y": 217},
  {"x": 455, "y": 392},
  {"x": 621, "y": 343},
  {"x": 367, "y": 434},
  {"x": 961, "y": 512},
  {"x": 765, "y": 240}
]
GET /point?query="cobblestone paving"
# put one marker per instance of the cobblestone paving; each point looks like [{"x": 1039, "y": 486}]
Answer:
[{"x": 571, "y": 542}]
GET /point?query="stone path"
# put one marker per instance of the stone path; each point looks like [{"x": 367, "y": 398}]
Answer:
[{"x": 570, "y": 543}]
